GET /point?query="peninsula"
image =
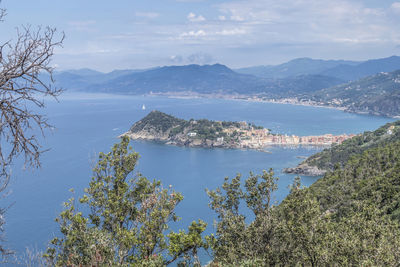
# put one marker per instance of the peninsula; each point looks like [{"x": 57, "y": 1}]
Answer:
[{"x": 160, "y": 127}]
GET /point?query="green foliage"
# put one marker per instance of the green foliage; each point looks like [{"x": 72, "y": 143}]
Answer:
[
  {"x": 312, "y": 236},
  {"x": 377, "y": 94},
  {"x": 373, "y": 177},
  {"x": 235, "y": 240},
  {"x": 187, "y": 244},
  {"x": 298, "y": 232},
  {"x": 161, "y": 123},
  {"x": 158, "y": 120},
  {"x": 340, "y": 154},
  {"x": 127, "y": 220},
  {"x": 350, "y": 217},
  {"x": 304, "y": 232}
]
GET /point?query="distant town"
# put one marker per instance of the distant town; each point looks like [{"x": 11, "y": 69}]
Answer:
[
  {"x": 256, "y": 138},
  {"x": 161, "y": 127}
]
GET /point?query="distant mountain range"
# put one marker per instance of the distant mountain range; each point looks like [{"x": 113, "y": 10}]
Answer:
[
  {"x": 207, "y": 79},
  {"x": 296, "y": 67},
  {"x": 324, "y": 81},
  {"x": 340, "y": 69}
]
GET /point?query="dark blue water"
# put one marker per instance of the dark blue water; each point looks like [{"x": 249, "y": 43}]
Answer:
[{"x": 88, "y": 124}]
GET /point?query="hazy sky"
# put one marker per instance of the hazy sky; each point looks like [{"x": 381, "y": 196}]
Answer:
[{"x": 120, "y": 34}]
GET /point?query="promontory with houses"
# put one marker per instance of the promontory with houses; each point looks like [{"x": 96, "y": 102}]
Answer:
[{"x": 161, "y": 127}]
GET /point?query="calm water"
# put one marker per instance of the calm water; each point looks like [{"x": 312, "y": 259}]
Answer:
[{"x": 88, "y": 124}]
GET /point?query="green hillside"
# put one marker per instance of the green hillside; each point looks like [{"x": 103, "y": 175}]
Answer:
[
  {"x": 158, "y": 120},
  {"x": 378, "y": 94},
  {"x": 371, "y": 176},
  {"x": 340, "y": 154},
  {"x": 350, "y": 217}
]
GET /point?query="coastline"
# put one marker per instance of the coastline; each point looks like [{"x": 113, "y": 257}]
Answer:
[{"x": 252, "y": 98}]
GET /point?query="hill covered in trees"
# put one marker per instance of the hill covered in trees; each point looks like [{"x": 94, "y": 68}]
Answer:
[
  {"x": 371, "y": 176},
  {"x": 339, "y": 154},
  {"x": 378, "y": 94}
]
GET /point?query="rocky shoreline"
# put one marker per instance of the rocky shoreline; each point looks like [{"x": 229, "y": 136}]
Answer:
[
  {"x": 180, "y": 140},
  {"x": 305, "y": 169}
]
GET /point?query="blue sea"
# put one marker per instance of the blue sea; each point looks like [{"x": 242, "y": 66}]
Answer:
[{"x": 86, "y": 124}]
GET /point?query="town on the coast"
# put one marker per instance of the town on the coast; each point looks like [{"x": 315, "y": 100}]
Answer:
[
  {"x": 256, "y": 138},
  {"x": 161, "y": 127}
]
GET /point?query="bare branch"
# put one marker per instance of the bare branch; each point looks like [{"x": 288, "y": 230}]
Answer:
[
  {"x": 2, "y": 14},
  {"x": 26, "y": 77},
  {"x": 23, "y": 66}
]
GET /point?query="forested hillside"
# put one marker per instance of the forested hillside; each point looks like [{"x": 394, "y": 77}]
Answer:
[
  {"x": 347, "y": 218},
  {"x": 371, "y": 177},
  {"x": 340, "y": 154},
  {"x": 378, "y": 94}
]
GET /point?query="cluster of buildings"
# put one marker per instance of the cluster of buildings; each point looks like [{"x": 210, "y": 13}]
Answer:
[
  {"x": 258, "y": 138},
  {"x": 327, "y": 139}
]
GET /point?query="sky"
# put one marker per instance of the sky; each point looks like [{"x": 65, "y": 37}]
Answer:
[{"x": 136, "y": 34}]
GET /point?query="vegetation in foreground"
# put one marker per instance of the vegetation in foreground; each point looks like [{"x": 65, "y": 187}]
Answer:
[
  {"x": 124, "y": 220},
  {"x": 349, "y": 217},
  {"x": 338, "y": 155}
]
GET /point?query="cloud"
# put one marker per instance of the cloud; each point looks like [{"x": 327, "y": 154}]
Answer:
[
  {"x": 198, "y": 33},
  {"x": 231, "y": 32},
  {"x": 247, "y": 32},
  {"x": 147, "y": 15},
  {"x": 194, "y": 18},
  {"x": 213, "y": 35},
  {"x": 396, "y": 7},
  {"x": 176, "y": 59},
  {"x": 237, "y": 18},
  {"x": 310, "y": 21},
  {"x": 195, "y": 58},
  {"x": 222, "y": 18},
  {"x": 200, "y": 58}
]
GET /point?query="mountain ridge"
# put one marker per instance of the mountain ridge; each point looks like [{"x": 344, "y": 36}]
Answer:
[{"x": 382, "y": 96}]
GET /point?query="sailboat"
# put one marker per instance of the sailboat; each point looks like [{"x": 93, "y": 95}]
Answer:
[{"x": 143, "y": 107}]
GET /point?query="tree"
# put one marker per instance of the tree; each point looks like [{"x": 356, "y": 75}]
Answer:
[
  {"x": 297, "y": 232},
  {"x": 306, "y": 234},
  {"x": 24, "y": 62},
  {"x": 237, "y": 241},
  {"x": 126, "y": 219}
]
